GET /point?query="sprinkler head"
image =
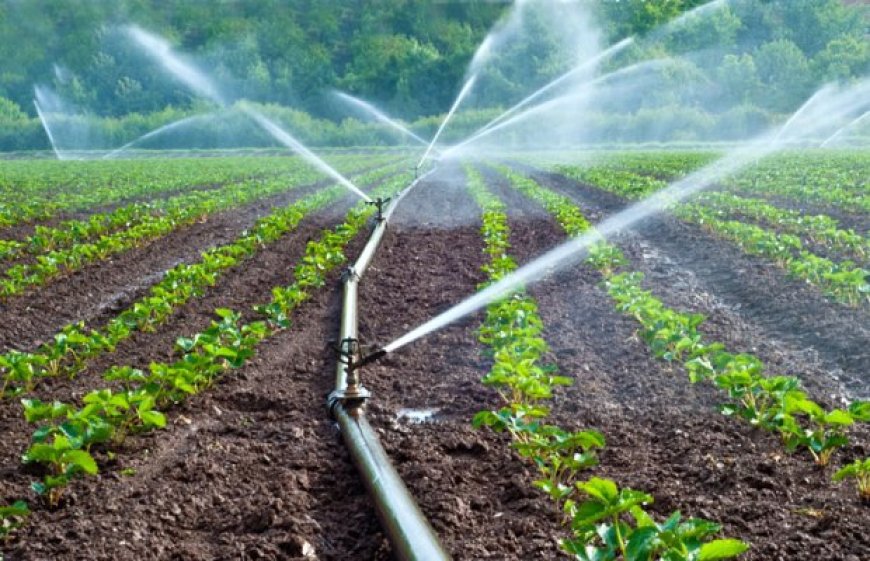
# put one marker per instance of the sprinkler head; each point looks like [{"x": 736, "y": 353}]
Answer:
[
  {"x": 380, "y": 203},
  {"x": 368, "y": 359},
  {"x": 354, "y": 395}
]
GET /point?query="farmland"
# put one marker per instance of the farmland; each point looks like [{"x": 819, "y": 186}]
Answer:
[{"x": 166, "y": 355}]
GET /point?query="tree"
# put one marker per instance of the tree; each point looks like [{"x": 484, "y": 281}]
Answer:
[
  {"x": 843, "y": 58},
  {"x": 737, "y": 77},
  {"x": 785, "y": 75}
]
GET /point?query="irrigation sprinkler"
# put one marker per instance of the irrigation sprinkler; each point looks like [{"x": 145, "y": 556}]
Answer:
[
  {"x": 379, "y": 203},
  {"x": 353, "y": 395}
]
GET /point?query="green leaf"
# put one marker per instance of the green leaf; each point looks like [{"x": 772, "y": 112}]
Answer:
[
  {"x": 80, "y": 459},
  {"x": 641, "y": 542},
  {"x": 153, "y": 418},
  {"x": 721, "y": 549},
  {"x": 604, "y": 490},
  {"x": 839, "y": 417}
]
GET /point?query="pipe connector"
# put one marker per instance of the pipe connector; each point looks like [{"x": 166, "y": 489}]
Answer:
[{"x": 348, "y": 274}]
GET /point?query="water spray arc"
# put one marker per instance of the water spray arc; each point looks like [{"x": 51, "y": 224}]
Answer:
[
  {"x": 160, "y": 50},
  {"x": 377, "y": 114},
  {"x": 47, "y": 130},
  {"x": 844, "y": 128},
  {"x": 287, "y": 140},
  {"x": 156, "y": 132},
  {"x": 582, "y": 91},
  {"x": 586, "y": 65},
  {"x": 834, "y": 103},
  {"x": 462, "y": 93}
]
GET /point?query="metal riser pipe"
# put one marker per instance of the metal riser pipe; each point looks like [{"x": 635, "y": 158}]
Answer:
[{"x": 410, "y": 534}]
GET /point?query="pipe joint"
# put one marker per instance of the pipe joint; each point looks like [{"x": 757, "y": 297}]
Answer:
[{"x": 349, "y": 274}]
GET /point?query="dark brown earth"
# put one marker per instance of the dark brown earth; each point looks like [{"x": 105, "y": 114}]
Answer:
[{"x": 254, "y": 469}]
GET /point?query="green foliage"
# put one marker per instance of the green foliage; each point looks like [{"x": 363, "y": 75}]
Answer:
[
  {"x": 859, "y": 470},
  {"x": 407, "y": 56},
  {"x": 12, "y": 517},
  {"x": 75, "y": 344},
  {"x": 611, "y": 523}
]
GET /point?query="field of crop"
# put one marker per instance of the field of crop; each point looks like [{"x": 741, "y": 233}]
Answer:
[{"x": 168, "y": 343}]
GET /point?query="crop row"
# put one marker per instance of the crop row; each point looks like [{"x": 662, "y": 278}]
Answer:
[
  {"x": 819, "y": 229},
  {"x": 68, "y": 435},
  {"x": 838, "y": 179},
  {"x": 773, "y": 403},
  {"x": 70, "y": 348},
  {"x": 181, "y": 211},
  {"x": 595, "y": 509},
  {"x": 71, "y": 232},
  {"x": 36, "y": 190},
  {"x": 844, "y": 281}
]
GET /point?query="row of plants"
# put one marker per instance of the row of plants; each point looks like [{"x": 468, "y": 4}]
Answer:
[
  {"x": 606, "y": 522},
  {"x": 177, "y": 212},
  {"x": 773, "y": 403},
  {"x": 827, "y": 177},
  {"x": 843, "y": 281},
  {"x": 39, "y": 189},
  {"x": 71, "y": 232},
  {"x": 816, "y": 228},
  {"x": 69, "y": 349},
  {"x": 68, "y": 435},
  {"x": 837, "y": 179}
]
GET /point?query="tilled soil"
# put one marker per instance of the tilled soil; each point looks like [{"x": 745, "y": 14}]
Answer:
[
  {"x": 755, "y": 302},
  {"x": 254, "y": 469},
  {"x": 250, "y": 469},
  {"x": 664, "y": 434}
]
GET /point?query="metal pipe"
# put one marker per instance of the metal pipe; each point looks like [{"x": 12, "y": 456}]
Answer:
[{"x": 410, "y": 534}]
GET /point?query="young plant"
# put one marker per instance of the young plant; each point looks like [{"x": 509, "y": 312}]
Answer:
[
  {"x": 826, "y": 432},
  {"x": 859, "y": 470},
  {"x": 612, "y": 524},
  {"x": 11, "y": 518}
]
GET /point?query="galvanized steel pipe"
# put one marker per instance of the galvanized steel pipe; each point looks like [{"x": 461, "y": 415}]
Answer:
[{"x": 410, "y": 534}]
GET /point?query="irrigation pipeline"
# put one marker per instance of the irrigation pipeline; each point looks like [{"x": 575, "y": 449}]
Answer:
[{"x": 410, "y": 534}]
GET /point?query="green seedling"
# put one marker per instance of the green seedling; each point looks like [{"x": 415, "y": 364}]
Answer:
[
  {"x": 11, "y": 518},
  {"x": 859, "y": 470},
  {"x": 612, "y": 524}
]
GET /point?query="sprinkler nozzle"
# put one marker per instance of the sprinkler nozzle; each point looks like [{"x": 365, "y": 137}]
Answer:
[
  {"x": 380, "y": 203},
  {"x": 368, "y": 359}
]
